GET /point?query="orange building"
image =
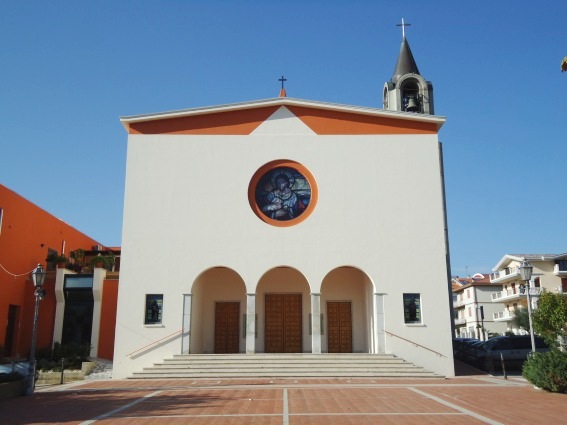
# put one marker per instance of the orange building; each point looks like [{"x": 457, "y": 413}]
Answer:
[{"x": 28, "y": 235}]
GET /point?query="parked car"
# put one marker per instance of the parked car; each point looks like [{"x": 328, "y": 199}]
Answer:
[
  {"x": 460, "y": 345},
  {"x": 473, "y": 353},
  {"x": 513, "y": 350}
]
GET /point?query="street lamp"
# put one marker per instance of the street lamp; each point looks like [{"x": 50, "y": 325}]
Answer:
[
  {"x": 38, "y": 277},
  {"x": 526, "y": 274}
]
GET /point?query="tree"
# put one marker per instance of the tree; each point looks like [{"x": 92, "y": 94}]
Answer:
[
  {"x": 521, "y": 319},
  {"x": 564, "y": 64},
  {"x": 550, "y": 318}
]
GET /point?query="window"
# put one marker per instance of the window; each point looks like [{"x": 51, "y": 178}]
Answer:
[
  {"x": 412, "y": 308},
  {"x": 470, "y": 312},
  {"x": 51, "y": 254},
  {"x": 154, "y": 308},
  {"x": 468, "y": 293},
  {"x": 0, "y": 221}
]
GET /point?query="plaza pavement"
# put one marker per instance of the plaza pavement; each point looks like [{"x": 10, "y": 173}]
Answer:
[{"x": 466, "y": 399}]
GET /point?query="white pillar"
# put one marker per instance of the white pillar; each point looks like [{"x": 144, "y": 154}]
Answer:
[
  {"x": 60, "y": 307},
  {"x": 186, "y": 324},
  {"x": 250, "y": 323},
  {"x": 316, "y": 323},
  {"x": 99, "y": 275},
  {"x": 379, "y": 319}
]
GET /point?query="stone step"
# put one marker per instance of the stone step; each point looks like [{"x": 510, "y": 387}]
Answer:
[{"x": 281, "y": 365}]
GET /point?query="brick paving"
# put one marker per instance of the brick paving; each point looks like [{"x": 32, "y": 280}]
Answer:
[{"x": 480, "y": 399}]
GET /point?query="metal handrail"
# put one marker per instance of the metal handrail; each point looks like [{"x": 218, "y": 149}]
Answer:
[
  {"x": 155, "y": 342},
  {"x": 415, "y": 344}
]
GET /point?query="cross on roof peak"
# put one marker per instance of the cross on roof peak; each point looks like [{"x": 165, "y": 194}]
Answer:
[
  {"x": 403, "y": 25},
  {"x": 282, "y": 91}
]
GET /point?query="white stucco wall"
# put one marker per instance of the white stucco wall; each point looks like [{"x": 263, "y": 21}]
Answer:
[{"x": 186, "y": 210}]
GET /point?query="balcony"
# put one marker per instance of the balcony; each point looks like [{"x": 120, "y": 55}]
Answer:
[
  {"x": 514, "y": 293},
  {"x": 460, "y": 321},
  {"x": 458, "y": 303},
  {"x": 508, "y": 274},
  {"x": 503, "y": 316},
  {"x": 560, "y": 269}
]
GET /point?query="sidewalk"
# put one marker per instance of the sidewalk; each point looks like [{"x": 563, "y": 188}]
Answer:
[{"x": 474, "y": 399}]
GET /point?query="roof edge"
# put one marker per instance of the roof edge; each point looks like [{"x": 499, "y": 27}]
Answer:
[{"x": 283, "y": 101}]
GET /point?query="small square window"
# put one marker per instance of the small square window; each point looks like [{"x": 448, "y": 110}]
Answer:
[
  {"x": 154, "y": 309},
  {"x": 412, "y": 308}
]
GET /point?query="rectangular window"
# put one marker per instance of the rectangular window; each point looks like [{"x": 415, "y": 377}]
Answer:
[
  {"x": 0, "y": 221},
  {"x": 51, "y": 254},
  {"x": 154, "y": 309},
  {"x": 412, "y": 308}
]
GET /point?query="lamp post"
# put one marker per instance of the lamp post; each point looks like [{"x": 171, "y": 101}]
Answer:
[
  {"x": 38, "y": 277},
  {"x": 526, "y": 274}
]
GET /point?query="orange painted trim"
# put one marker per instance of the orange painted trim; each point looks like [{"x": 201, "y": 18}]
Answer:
[
  {"x": 327, "y": 122},
  {"x": 277, "y": 164},
  {"x": 241, "y": 122},
  {"x": 108, "y": 319}
]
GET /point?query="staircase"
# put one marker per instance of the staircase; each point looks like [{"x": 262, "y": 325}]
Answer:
[{"x": 283, "y": 365}]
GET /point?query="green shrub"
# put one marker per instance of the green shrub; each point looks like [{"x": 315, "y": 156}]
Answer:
[
  {"x": 74, "y": 355},
  {"x": 547, "y": 371}
]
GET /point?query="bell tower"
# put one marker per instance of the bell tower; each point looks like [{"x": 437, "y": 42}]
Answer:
[{"x": 408, "y": 91}]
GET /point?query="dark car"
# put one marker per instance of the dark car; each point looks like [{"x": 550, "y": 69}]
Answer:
[
  {"x": 460, "y": 345},
  {"x": 473, "y": 353},
  {"x": 512, "y": 350}
]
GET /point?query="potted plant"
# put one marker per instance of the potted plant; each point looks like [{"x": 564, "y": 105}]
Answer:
[
  {"x": 105, "y": 261},
  {"x": 77, "y": 259},
  {"x": 60, "y": 260}
]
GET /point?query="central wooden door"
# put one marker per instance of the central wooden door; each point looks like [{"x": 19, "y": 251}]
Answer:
[
  {"x": 227, "y": 334},
  {"x": 339, "y": 318},
  {"x": 283, "y": 323}
]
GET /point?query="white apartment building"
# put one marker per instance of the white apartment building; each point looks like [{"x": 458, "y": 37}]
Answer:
[
  {"x": 473, "y": 308},
  {"x": 549, "y": 274}
]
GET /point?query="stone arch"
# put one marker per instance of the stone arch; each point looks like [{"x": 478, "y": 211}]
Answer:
[
  {"x": 347, "y": 308},
  {"x": 213, "y": 287}
]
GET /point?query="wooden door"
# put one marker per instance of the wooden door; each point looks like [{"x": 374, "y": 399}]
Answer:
[
  {"x": 227, "y": 315},
  {"x": 283, "y": 323},
  {"x": 339, "y": 325}
]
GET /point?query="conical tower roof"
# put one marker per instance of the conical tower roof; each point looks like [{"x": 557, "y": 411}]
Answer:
[{"x": 406, "y": 63}]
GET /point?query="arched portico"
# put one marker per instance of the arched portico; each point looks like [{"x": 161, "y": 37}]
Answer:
[
  {"x": 217, "y": 306},
  {"x": 346, "y": 305}
]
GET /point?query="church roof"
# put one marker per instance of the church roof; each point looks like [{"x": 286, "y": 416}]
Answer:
[
  {"x": 406, "y": 63},
  {"x": 336, "y": 111}
]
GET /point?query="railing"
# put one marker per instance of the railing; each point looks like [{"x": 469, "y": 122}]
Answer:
[
  {"x": 509, "y": 271},
  {"x": 154, "y": 343},
  {"x": 519, "y": 292},
  {"x": 506, "y": 293},
  {"x": 460, "y": 320},
  {"x": 506, "y": 314},
  {"x": 459, "y": 302},
  {"x": 415, "y": 344}
]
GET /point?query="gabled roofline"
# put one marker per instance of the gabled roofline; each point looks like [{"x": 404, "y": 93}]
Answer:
[
  {"x": 283, "y": 101},
  {"x": 529, "y": 257}
]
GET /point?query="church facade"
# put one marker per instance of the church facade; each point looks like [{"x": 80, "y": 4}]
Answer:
[{"x": 285, "y": 226}]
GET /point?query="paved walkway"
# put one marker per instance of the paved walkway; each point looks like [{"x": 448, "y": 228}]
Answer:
[{"x": 463, "y": 400}]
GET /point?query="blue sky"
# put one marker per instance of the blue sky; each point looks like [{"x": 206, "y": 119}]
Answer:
[{"x": 70, "y": 69}]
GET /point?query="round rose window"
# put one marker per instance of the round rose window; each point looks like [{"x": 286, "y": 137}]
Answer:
[{"x": 282, "y": 193}]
